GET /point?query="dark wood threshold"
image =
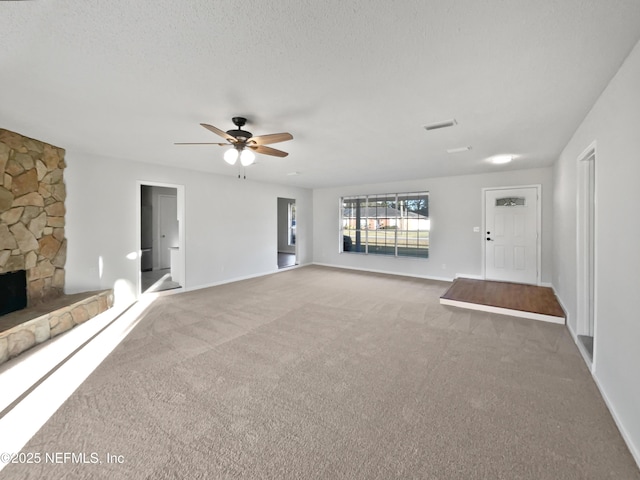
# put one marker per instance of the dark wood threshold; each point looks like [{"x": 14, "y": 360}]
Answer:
[{"x": 528, "y": 301}]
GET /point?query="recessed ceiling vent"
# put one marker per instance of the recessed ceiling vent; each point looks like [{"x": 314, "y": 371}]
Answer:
[
  {"x": 458, "y": 150},
  {"x": 444, "y": 124}
]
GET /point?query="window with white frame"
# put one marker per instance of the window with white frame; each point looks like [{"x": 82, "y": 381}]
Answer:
[
  {"x": 395, "y": 224},
  {"x": 292, "y": 224}
]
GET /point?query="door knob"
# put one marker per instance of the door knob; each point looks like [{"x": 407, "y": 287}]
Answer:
[{"x": 490, "y": 239}]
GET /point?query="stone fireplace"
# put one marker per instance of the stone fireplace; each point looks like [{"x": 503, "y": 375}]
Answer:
[
  {"x": 32, "y": 214},
  {"x": 33, "y": 248}
]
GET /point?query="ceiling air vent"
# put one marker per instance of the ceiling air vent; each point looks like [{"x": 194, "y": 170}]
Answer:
[
  {"x": 458, "y": 150},
  {"x": 445, "y": 124}
]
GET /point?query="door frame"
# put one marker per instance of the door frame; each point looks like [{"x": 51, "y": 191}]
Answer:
[
  {"x": 290, "y": 201},
  {"x": 538, "y": 188},
  {"x": 586, "y": 237},
  {"x": 180, "y": 199}
]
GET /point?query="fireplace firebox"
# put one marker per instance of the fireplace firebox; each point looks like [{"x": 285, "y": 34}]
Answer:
[{"x": 13, "y": 291}]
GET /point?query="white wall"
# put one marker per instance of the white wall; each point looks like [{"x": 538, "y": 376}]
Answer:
[
  {"x": 455, "y": 208},
  {"x": 614, "y": 124},
  {"x": 230, "y": 224}
]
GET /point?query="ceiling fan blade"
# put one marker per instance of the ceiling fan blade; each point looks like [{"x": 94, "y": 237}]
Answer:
[
  {"x": 201, "y": 143},
  {"x": 267, "y": 150},
  {"x": 222, "y": 133},
  {"x": 272, "y": 138}
]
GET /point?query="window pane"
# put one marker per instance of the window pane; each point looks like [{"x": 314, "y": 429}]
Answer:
[
  {"x": 353, "y": 224},
  {"x": 510, "y": 202},
  {"x": 387, "y": 224},
  {"x": 414, "y": 223},
  {"x": 382, "y": 242},
  {"x": 292, "y": 224}
]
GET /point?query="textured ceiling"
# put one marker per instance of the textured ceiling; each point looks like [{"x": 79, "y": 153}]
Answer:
[{"x": 354, "y": 82}]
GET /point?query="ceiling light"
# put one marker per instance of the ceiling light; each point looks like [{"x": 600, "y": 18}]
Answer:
[
  {"x": 458, "y": 150},
  {"x": 499, "y": 159},
  {"x": 247, "y": 157},
  {"x": 230, "y": 156},
  {"x": 443, "y": 124}
]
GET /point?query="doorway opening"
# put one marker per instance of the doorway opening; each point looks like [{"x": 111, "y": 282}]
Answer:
[
  {"x": 287, "y": 233},
  {"x": 512, "y": 223},
  {"x": 586, "y": 250},
  {"x": 161, "y": 226}
]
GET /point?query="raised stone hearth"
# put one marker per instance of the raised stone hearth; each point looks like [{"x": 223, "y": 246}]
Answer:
[{"x": 21, "y": 330}]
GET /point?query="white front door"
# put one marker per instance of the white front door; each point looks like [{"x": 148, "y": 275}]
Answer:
[{"x": 511, "y": 235}]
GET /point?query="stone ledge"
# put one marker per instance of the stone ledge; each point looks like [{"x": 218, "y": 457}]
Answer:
[{"x": 24, "y": 329}]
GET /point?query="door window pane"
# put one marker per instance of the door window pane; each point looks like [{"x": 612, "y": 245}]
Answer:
[{"x": 510, "y": 202}]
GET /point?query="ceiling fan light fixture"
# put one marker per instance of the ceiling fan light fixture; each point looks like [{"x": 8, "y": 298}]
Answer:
[
  {"x": 230, "y": 156},
  {"x": 244, "y": 145},
  {"x": 247, "y": 157}
]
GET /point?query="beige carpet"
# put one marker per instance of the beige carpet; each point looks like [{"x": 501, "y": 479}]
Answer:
[{"x": 319, "y": 373}]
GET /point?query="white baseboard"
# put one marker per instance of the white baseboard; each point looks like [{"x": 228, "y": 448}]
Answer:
[
  {"x": 246, "y": 277},
  {"x": 566, "y": 312},
  {"x": 583, "y": 351},
  {"x": 634, "y": 449},
  {"x": 230, "y": 280},
  {"x": 385, "y": 272},
  {"x": 469, "y": 276},
  {"x": 481, "y": 277}
]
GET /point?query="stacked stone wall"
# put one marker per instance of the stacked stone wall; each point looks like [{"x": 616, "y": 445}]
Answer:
[{"x": 32, "y": 214}]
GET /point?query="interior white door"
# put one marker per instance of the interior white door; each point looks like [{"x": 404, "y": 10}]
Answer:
[
  {"x": 167, "y": 227},
  {"x": 511, "y": 240}
]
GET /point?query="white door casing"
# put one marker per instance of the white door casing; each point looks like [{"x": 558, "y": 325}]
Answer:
[
  {"x": 511, "y": 235},
  {"x": 586, "y": 246},
  {"x": 179, "y": 196}
]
